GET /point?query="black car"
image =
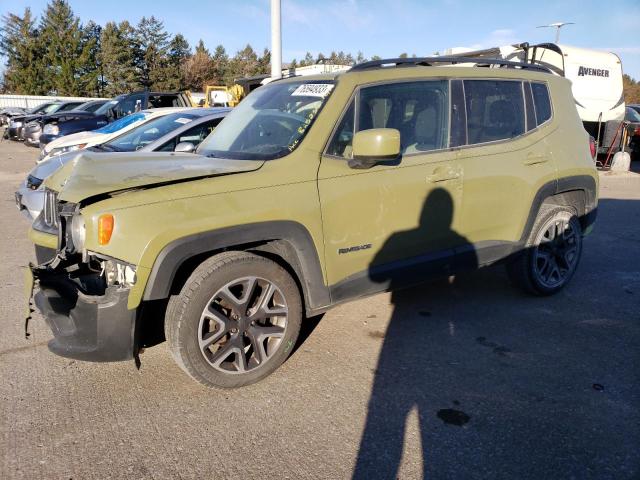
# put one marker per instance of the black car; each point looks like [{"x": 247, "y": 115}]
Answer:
[
  {"x": 7, "y": 112},
  {"x": 47, "y": 128},
  {"x": 120, "y": 106},
  {"x": 18, "y": 124}
]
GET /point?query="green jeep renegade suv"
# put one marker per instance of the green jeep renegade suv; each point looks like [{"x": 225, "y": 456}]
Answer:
[{"x": 312, "y": 192}]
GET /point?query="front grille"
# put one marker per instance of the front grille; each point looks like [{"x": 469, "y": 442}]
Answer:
[{"x": 50, "y": 212}]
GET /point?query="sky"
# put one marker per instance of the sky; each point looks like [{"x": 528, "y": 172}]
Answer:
[{"x": 379, "y": 27}]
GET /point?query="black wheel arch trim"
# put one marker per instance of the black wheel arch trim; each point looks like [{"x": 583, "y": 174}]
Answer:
[
  {"x": 289, "y": 240},
  {"x": 563, "y": 185}
]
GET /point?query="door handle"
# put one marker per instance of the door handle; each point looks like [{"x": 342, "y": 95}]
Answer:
[
  {"x": 534, "y": 159},
  {"x": 442, "y": 174}
]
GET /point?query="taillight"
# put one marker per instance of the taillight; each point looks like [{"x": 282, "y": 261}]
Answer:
[
  {"x": 636, "y": 131},
  {"x": 592, "y": 147}
]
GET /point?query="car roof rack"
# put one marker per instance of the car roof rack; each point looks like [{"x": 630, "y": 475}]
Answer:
[{"x": 452, "y": 60}]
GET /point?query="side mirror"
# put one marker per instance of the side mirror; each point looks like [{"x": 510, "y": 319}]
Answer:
[
  {"x": 374, "y": 146},
  {"x": 185, "y": 147}
]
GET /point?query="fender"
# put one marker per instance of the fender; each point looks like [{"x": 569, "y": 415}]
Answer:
[
  {"x": 298, "y": 250},
  {"x": 584, "y": 183}
]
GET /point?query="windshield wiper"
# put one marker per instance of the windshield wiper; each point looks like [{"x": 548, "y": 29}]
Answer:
[{"x": 105, "y": 147}]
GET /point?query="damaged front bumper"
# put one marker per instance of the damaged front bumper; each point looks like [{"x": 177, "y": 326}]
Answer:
[{"x": 89, "y": 320}]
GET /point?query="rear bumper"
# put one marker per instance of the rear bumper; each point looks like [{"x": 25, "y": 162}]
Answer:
[{"x": 97, "y": 328}]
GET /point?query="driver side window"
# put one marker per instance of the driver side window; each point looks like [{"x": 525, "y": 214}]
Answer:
[{"x": 418, "y": 110}]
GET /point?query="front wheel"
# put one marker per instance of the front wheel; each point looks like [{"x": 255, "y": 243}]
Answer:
[
  {"x": 235, "y": 321},
  {"x": 551, "y": 254}
]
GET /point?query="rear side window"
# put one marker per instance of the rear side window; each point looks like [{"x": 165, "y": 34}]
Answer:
[
  {"x": 418, "y": 110},
  {"x": 542, "y": 102},
  {"x": 495, "y": 110}
]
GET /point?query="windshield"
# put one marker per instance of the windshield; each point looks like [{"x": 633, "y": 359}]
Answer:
[
  {"x": 54, "y": 107},
  {"x": 91, "y": 106},
  {"x": 123, "y": 122},
  {"x": 150, "y": 131},
  {"x": 108, "y": 105},
  {"x": 632, "y": 115},
  {"x": 41, "y": 107},
  {"x": 269, "y": 123}
]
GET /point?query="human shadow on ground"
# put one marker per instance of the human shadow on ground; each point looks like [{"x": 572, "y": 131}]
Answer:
[{"x": 399, "y": 384}]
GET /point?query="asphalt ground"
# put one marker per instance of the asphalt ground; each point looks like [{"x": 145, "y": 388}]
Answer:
[{"x": 462, "y": 380}]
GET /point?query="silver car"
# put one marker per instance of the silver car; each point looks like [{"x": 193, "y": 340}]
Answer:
[{"x": 181, "y": 132}]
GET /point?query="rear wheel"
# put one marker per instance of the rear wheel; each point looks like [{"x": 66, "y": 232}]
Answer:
[
  {"x": 551, "y": 254},
  {"x": 235, "y": 321}
]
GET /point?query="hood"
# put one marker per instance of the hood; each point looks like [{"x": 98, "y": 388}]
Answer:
[
  {"x": 45, "y": 168},
  {"x": 75, "y": 113},
  {"x": 74, "y": 139},
  {"x": 27, "y": 118},
  {"x": 90, "y": 174}
]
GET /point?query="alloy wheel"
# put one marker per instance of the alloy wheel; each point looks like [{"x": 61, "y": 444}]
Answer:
[{"x": 243, "y": 325}]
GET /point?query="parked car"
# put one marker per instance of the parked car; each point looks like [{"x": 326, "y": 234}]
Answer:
[
  {"x": 632, "y": 115},
  {"x": 635, "y": 106},
  {"x": 16, "y": 122},
  {"x": 31, "y": 123},
  {"x": 7, "y": 112},
  {"x": 115, "y": 109},
  {"x": 178, "y": 131},
  {"x": 311, "y": 192},
  {"x": 33, "y": 131},
  {"x": 81, "y": 140}
]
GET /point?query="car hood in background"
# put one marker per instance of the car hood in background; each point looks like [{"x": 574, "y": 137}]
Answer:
[
  {"x": 77, "y": 138},
  {"x": 90, "y": 174}
]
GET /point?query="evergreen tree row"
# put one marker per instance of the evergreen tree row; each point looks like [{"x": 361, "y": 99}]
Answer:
[{"x": 59, "y": 55}]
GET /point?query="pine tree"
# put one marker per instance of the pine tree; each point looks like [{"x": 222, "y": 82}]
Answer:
[
  {"x": 117, "y": 58},
  {"x": 243, "y": 64},
  {"x": 264, "y": 62},
  {"x": 220, "y": 65},
  {"x": 19, "y": 43},
  {"x": 151, "y": 52},
  {"x": 179, "y": 52},
  {"x": 91, "y": 71},
  {"x": 66, "y": 53}
]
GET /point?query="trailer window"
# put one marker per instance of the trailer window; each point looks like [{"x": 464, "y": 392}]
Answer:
[
  {"x": 542, "y": 102},
  {"x": 495, "y": 110}
]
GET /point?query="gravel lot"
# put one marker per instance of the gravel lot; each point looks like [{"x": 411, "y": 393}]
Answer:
[{"x": 465, "y": 380}]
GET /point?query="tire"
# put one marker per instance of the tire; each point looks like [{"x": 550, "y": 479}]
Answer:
[
  {"x": 547, "y": 264},
  {"x": 235, "y": 321}
]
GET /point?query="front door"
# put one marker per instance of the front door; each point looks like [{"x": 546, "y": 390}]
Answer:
[{"x": 397, "y": 216}]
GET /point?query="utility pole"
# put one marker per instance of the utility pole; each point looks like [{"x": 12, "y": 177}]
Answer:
[
  {"x": 557, "y": 26},
  {"x": 276, "y": 41}
]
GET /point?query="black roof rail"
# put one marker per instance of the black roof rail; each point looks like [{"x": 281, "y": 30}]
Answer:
[{"x": 430, "y": 61}]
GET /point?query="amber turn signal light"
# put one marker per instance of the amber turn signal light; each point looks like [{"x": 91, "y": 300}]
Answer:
[{"x": 105, "y": 228}]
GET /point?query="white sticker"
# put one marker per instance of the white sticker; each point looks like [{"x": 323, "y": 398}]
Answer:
[
  {"x": 313, "y": 90},
  {"x": 182, "y": 120},
  {"x": 113, "y": 102}
]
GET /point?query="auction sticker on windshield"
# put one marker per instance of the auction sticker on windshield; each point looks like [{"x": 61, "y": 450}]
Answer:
[
  {"x": 313, "y": 90},
  {"x": 182, "y": 120}
]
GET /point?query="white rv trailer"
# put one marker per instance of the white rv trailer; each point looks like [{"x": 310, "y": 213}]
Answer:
[{"x": 596, "y": 79}]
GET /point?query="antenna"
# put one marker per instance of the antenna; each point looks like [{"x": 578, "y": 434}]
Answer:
[{"x": 557, "y": 26}]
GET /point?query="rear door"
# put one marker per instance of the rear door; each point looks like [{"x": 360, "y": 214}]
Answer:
[
  {"x": 506, "y": 160},
  {"x": 389, "y": 219}
]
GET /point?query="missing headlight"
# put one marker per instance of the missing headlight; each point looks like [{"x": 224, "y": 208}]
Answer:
[{"x": 117, "y": 273}]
